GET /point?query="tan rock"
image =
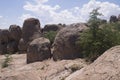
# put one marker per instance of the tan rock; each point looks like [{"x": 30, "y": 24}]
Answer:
[
  {"x": 106, "y": 67},
  {"x": 64, "y": 46}
]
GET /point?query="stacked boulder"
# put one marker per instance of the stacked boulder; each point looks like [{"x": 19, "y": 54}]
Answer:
[
  {"x": 38, "y": 50},
  {"x": 30, "y": 31},
  {"x": 37, "y": 47},
  {"x": 64, "y": 46}
]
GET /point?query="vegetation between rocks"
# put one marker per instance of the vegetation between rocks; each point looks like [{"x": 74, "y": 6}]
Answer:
[
  {"x": 50, "y": 35},
  {"x": 99, "y": 37}
]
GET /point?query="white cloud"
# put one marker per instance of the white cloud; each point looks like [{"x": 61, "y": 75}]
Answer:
[
  {"x": 53, "y": 14},
  {"x": 106, "y": 8},
  {"x": 25, "y": 16},
  {"x": 1, "y": 17}
]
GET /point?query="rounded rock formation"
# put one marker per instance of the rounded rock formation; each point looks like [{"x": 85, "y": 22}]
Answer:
[
  {"x": 64, "y": 46},
  {"x": 5, "y": 36},
  {"x": 15, "y": 32},
  {"x": 38, "y": 50},
  {"x": 52, "y": 27},
  {"x": 31, "y": 29}
]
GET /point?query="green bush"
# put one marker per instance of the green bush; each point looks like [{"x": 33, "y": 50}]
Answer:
[
  {"x": 50, "y": 35},
  {"x": 98, "y": 38}
]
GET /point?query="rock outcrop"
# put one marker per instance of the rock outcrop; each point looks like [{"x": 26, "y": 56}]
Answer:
[
  {"x": 12, "y": 47},
  {"x": 15, "y": 32},
  {"x": 106, "y": 67},
  {"x": 38, "y": 50},
  {"x": 31, "y": 29},
  {"x": 52, "y": 27},
  {"x": 64, "y": 46},
  {"x": 5, "y": 37}
]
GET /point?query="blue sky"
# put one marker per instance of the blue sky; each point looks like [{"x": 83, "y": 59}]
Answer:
[{"x": 53, "y": 11}]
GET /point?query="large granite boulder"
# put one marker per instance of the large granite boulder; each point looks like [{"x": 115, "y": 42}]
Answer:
[
  {"x": 31, "y": 29},
  {"x": 15, "y": 32},
  {"x": 5, "y": 36},
  {"x": 64, "y": 46},
  {"x": 38, "y": 50},
  {"x": 106, "y": 67},
  {"x": 52, "y": 27}
]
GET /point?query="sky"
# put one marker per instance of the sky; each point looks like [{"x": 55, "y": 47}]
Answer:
[{"x": 54, "y": 11}]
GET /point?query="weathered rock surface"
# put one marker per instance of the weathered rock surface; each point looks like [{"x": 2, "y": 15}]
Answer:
[
  {"x": 45, "y": 70},
  {"x": 22, "y": 46},
  {"x": 31, "y": 29},
  {"x": 106, "y": 67},
  {"x": 52, "y": 27},
  {"x": 5, "y": 37},
  {"x": 12, "y": 47},
  {"x": 3, "y": 48},
  {"x": 15, "y": 32},
  {"x": 64, "y": 46},
  {"x": 38, "y": 50}
]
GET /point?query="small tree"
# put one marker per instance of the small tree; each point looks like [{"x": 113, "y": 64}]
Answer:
[
  {"x": 95, "y": 40},
  {"x": 94, "y": 21},
  {"x": 50, "y": 35}
]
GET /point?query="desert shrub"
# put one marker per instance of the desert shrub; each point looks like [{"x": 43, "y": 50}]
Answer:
[
  {"x": 96, "y": 40},
  {"x": 50, "y": 35},
  {"x": 7, "y": 60}
]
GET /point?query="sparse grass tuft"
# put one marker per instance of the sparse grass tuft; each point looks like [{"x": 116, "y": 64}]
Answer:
[{"x": 7, "y": 60}]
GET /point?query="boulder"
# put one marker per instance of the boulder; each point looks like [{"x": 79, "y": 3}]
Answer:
[
  {"x": 12, "y": 47},
  {"x": 106, "y": 67},
  {"x": 5, "y": 36},
  {"x": 15, "y": 32},
  {"x": 113, "y": 18},
  {"x": 52, "y": 27},
  {"x": 38, "y": 50},
  {"x": 22, "y": 46},
  {"x": 31, "y": 29},
  {"x": 64, "y": 46}
]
